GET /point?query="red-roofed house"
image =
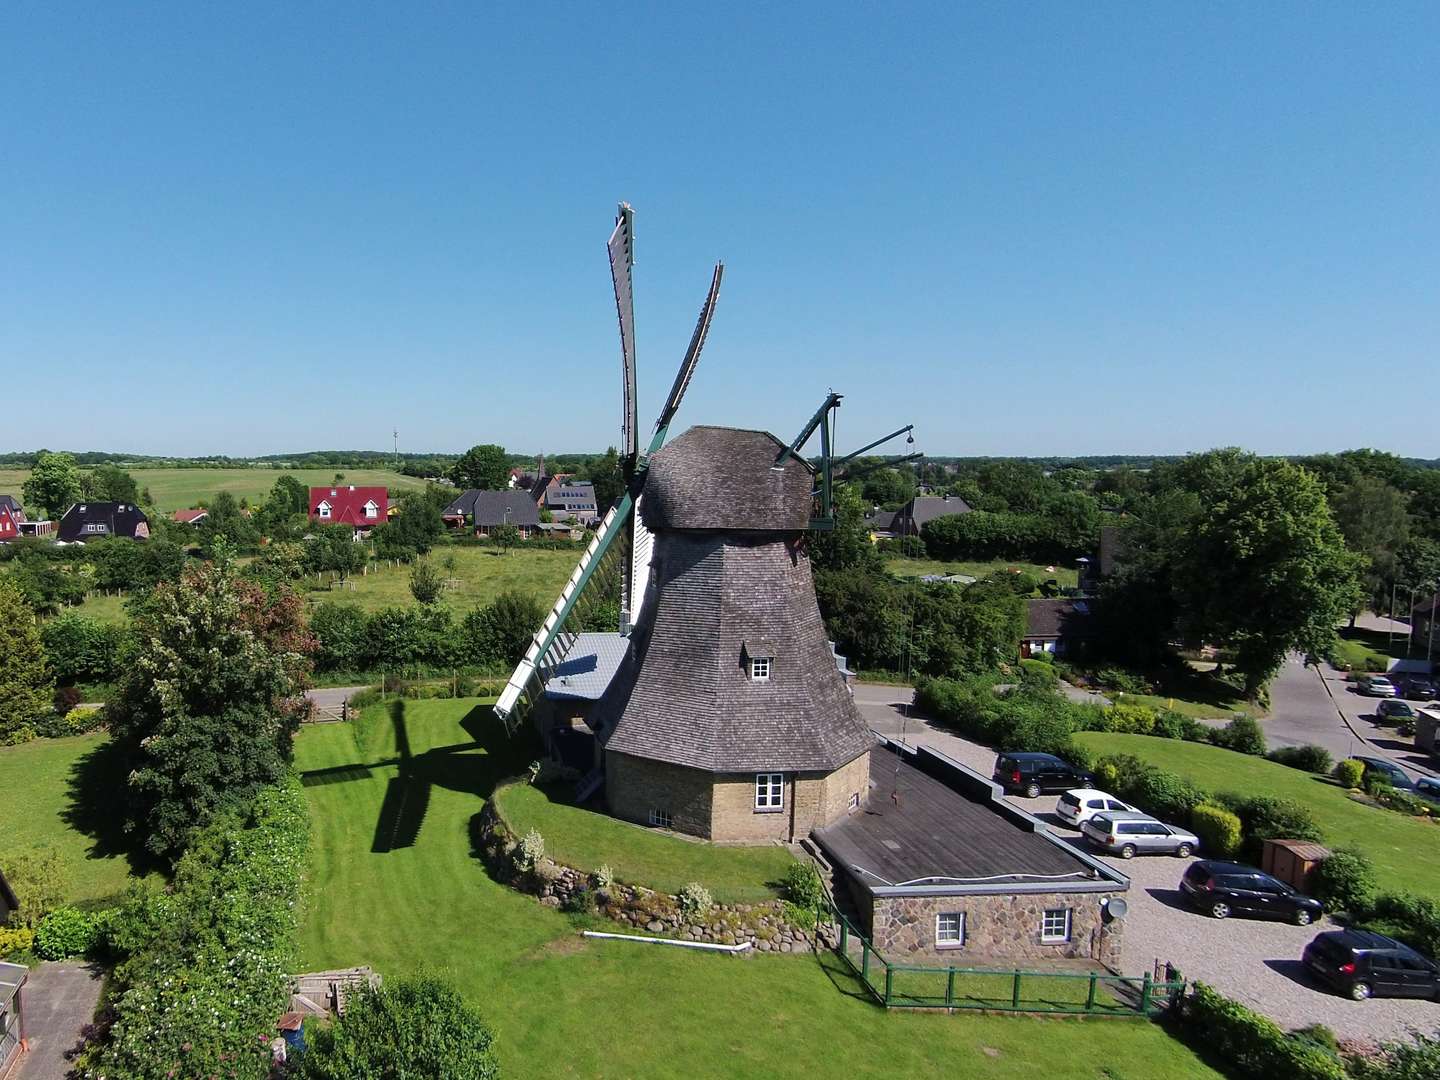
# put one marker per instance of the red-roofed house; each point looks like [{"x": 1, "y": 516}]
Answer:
[
  {"x": 9, "y": 522},
  {"x": 190, "y": 517},
  {"x": 360, "y": 507}
]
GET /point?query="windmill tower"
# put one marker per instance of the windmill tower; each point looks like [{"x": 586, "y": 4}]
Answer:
[{"x": 725, "y": 713}]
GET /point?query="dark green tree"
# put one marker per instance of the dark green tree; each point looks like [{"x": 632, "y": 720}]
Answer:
[
  {"x": 26, "y": 682},
  {"x": 605, "y": 474},
  {"x": 507, "y": 536},
  {"x": 485, "y": 467},
  {"x": 847, "y": 546},
  {"x": 426, "y": 583},
  {"x": 1373, "y": 518},
  {"x": 109, "y": 483},
  {"x": 225, "y": 520},
  {"x": 53, "y": 484},
  {"x": 405, "y": 1029}
]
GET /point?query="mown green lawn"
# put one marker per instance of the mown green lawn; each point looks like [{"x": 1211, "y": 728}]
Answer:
[
  {"x": 1405, "y": 850},
  {"x": 176, "y": 489},
  {"x": 588, "y": 838},
  {"x": 481, "y": 574},
  {"x": 408, "y": 896},
  {"x": 1201, "y": 710},
  {"x": 905, "y": 568},
  {"x": 53, "y": 795}
]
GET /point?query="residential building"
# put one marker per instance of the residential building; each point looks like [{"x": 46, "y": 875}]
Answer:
[
  {"x": 190, "y": 517},
  {"x": 910, "y": 519},
  {"x": 1058, "y": 627},
  {"x": 484, "y": 510},
  {"x": 729, "y": 717},
  {"x": 9, "y": 523},
  {"x": 97, "y": 520},
  {"x": 940, "y": 867},
  {"x": 572, "y": 501},
  {"x": 1108, "y": 556},
  {"x": 362, "y": 508}
]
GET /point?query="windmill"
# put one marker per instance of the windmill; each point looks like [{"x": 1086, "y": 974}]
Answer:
[{"x": 621, "y": 523}]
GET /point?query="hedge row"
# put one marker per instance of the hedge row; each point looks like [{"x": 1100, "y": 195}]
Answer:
[
  {"x": 206, "y": 964},
  {"x": 1252, "y": 1046}
]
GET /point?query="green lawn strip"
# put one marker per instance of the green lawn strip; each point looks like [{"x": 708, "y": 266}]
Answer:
[
  {"x": 563, "y": 1006},
  {"x": 36, "y": 812},
  {"x": 905, "y": 568},
  {"x": 177, "y": 489},
  {"x": 586, "y": 838},
  {"x": 1201, "y": 710},
  {"x": 481, "y": 573},
  {"x": 1405, "y": 850},
  {"x": 1365, "y": 650}
]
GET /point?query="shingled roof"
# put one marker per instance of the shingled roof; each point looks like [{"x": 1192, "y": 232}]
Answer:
[
  {"x": 683, "y": 694},
  {"x": 724, "y": 478}
]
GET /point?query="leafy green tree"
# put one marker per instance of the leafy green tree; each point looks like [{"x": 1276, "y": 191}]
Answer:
[
  {"x": 607, "y": 477},
  {"x": 1373, "y": 518},
  {"x": 335, "y": 549},
  {"x": 889, "y": 488},
  {"x": 1418, "y": 563},
  {"x": 403, "y": 1029},
  {"x": 54, "y": 483},
  {"x": 340, "y": 637},
  {"x": 847, "y": 546},
  {"x": 485, "y": 467},
  {"x": 109, "y": 483},
  {"x": 210, "y": 701},
  {"x": 26, "y": 683},
  {"x": 507, "y": 536},
  {"x": 426, "y": 583},
  {"x": 81, "y": 649},
  {"x": 226, "y": 520},
  {"x": 513, "y": 618},
  {"x": 418, "y": 526}
]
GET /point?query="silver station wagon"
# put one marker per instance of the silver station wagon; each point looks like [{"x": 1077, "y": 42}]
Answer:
[{"x": 1131, "y": 834}]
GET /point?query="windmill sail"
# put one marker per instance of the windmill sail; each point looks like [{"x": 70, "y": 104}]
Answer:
[
  {"x": 692, "y": 354},
  {"x": 622, "y": 262}
]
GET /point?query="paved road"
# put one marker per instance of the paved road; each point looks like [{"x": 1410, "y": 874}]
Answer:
[
  {"x": 1254, "y": 961},
  {"x": 59, "y": 1000},
  {"x": 330, "y": 700},
  {"x": 1302, "y": 712}
]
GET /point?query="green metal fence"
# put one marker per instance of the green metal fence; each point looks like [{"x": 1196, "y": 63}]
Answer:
[{"x": 915, "y": 986}]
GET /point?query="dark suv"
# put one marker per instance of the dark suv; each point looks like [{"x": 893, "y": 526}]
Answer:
[
  {"x": 1362, "y": 963},
  {"x": 1034, "y": 774},
  {"x": 1223, "y": 889}
]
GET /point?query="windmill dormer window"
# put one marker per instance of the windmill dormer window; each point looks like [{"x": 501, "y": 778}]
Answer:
[{"x": 759, "y": 658}]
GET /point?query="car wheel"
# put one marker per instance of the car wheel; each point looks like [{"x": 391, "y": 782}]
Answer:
[
  {"x": 1359, "y": 991},
  {"x": 1220, "y": 909},
  {"x": 1303, "y": 917},
  {"x": 1183, "y": 851},
  {"x": 1128, "y": 851},
  {"x": 1033, "y": 791},
  {"x": 1086, "y": 785}
]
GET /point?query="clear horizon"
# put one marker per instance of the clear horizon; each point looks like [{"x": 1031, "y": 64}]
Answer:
[{"x": 1039, "y": 231}]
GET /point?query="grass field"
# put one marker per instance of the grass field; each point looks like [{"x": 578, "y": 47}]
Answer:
[
  {"x": 903, "y": 568},
  {"x": 1366, "y": 650},
  {"x": 587, "y": 838},
  {"x": 176, "y": 489},
  {"x": 415, "y": 899},
  {"x": 1405, "y": 851},
  {"x": 39, "y": 808},
  {"x": 481, "y": 574}
]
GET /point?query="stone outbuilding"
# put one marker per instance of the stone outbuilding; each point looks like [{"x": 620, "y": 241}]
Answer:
[
  {"x": 729, "y": 717},
  {"x": 941, "y": 867}
]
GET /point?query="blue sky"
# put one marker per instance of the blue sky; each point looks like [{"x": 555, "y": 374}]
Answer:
[{"x": 1028, "y": 229}]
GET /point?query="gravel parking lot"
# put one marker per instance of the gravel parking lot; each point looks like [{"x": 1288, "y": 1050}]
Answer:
[{"x": 1252, "y": 960}]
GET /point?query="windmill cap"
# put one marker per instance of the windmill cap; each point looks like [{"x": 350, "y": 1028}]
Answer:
[{"x": 724, "y": 478}]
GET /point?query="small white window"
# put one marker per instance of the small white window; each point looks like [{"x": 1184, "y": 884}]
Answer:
[
  {"x": 371, "y": 509},
  {"x": 1055, "y": 925},
  {"x": 760, "y": 669},
  {"x": 854, "y": 800},
  {"x": 324, "y": 509},
  {"x": 769, "y": 791},
  {"x": 950, "y": 929},
  {"x": 662, "y": 818}
]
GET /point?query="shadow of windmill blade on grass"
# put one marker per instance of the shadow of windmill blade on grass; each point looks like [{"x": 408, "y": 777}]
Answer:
[{"x": 407, "y": 796}]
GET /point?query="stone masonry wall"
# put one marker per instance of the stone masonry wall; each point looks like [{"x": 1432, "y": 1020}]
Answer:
[
  {"x": 636, "y": 786},
  {"x": 555, "y": 885},
  {"x": 1001, "y": 927}
]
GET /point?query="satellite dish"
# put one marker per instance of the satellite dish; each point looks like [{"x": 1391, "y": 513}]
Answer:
[{"x": 1115, "y": 908}]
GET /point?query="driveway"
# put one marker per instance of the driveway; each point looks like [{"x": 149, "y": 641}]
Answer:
[
  {"x": 329, "y": 701},
  {"x": 1358, "y": 713},
  {"x": 1254, "y": 961},
  {"x": 59, "y": 1001}
]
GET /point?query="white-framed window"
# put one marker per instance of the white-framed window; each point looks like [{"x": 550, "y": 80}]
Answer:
[
  {"x": 760, "y": 669},
  {"x": 324, "y": 509},
  {"x": 769, "y": 791},
  {"x": 1055, "y": 925},
  {"x": 950, "y": 929},
  {"x": 371, "y": 509},
  {"x": 854, "y": 800},
  {"x": 661, "y": 818}
]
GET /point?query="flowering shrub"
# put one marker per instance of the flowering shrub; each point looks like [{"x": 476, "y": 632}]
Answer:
[
  {"x": 529, "y": 851},
  {"x": 603, "y": 879},
  {"x": 206, "y": 964},
  {"x": 695, "y": 900}
]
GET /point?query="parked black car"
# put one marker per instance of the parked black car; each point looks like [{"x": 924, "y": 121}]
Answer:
[
  {"x": 1388, "y": 771},
  {"x": 1223, "y": 889},
  {"x": 1362, "y": 964},
  {"x": 1393, "y": 709},
  {"x": 1419, "y": 688},
  {"x": 1034, "y": 774}
]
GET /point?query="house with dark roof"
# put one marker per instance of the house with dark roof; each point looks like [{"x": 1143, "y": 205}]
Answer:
[
  {"x": 911, "y": 518},
  {"x": 1058, "y": 627},
  {"x": 362, "y": 508},
  {"x": 941, "y": 866},
  {"x": 482, "y": 511},
  {"x": 97, "y": 520},
  {"x": 572, "y": 501},
  {"x": 728, "y": 717}
]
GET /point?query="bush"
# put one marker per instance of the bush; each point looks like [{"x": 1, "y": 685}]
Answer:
[
  {"x": 1402, "y": 801},
  {"x": 1219, "y": 830},
  {"x": 579, "y": 902},
  {"x": 1414, "y": 1058},
  {"x": 529, "y": 851},
  {"x": 1309, "y": 758},
  {"x": 404, "y": 1028},
  {"x": 40, "y": 881},
  {"x": 1415, "y": 920},
  {"x": 1131, "y": 719},
  {"x": 1243, "y": 735},
  {"x": 1345, "y": 881},
  {"x": 1163, "y": 794},
  {"x": 1122, "y": 681},
  {"x": 603, "y": 879},
  {"x": 796, "y": 915},
  {"x": 803, "y": 887},
  {"x": 695, "y": 900},
  {"x": 1264, "y": 817},
  {"x": 66, "y": 698},
  {"x": 16, "y": 939},
  {"x": 1113, "y": 771},
  {"x": 1252, "y": 1046},
  {"x": 64, "y": 933},
  {"x": 1349, "y": 773},
  {"x": 1037, "y": 675}
]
